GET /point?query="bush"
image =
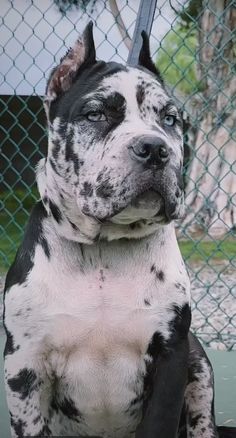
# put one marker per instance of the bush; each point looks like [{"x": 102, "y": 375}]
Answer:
[{"x": 176, "y": 59}]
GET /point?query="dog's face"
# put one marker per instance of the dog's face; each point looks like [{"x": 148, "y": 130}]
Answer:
[{"x": 115, "y": 139}]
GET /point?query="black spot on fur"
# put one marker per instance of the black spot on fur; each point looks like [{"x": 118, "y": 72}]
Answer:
[
  {"x": 55, "y": 212},
  {"x": 159, "y": 273},
  {"x": 37, "y": 419},
  {"x": 180, "y": 287},
  {"x": 146, "y": 302},
  {"x": 24, "y": 260},
  {"x": 44, "y": 432},
  {"x": 67, "y": 407},
  {"x": 156, "y": 347},
  {"x": 102, "y": 276},
  {"x": 140, "y": 95},
  {"x": 87, "y": 189},
  {"x": 23, "y": 383},
  {"x": 10, "y": 346},
  {"x": 54, "y": 167},
  {"x": 18, "y": 426},
  {"x": 56, "y": 149},
  {"x": 155, "y": 110},
  {"x": 105, "y": 190},
  {"x": 70, "y": 155},
  {"x": 45, "y": 246},
  {"x": 194, "y": 420},
  {"x": 45, "y": 200},
  {"x": 115, "y": 102},
  {"x": 179, "y": 326},
  {"x": 73, "y": 225}
]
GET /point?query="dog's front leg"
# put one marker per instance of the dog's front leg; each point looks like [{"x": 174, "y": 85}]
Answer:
[
  {"x": 163, "y": 407},
  {"x": 23, "y": 388}
]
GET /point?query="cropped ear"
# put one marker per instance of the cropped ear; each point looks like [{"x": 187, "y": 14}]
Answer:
[
  {"x": 63, "y": 76},
  {"x": 145, "y": 59}
]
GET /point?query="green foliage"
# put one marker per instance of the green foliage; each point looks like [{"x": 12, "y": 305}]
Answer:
[
  {"x": 191, "y": 12},
  {"x": 176, "y": 59}
]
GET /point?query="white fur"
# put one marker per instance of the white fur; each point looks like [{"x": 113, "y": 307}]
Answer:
[{"x": 93, "y": 334}]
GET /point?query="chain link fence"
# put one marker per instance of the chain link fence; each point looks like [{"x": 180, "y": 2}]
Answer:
[{"x": 194, "y": 46}]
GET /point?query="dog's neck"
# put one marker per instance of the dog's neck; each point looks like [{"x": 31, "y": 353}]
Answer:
[{"x": 73, "y": 225}]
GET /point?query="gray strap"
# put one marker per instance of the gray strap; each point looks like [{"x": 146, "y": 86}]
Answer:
[{"x": 144, "y": 22}]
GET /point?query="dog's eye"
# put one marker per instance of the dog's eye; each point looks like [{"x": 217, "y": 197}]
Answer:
[
  {"x": 96, "y": 117},
  {"x": 169, "y": 120}
]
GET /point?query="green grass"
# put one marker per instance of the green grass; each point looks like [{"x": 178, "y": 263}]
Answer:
[{"x": 204, "y": 251}]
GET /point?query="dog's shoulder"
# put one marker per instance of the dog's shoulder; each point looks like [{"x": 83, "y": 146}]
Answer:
[{"x": 34, "y": 235}]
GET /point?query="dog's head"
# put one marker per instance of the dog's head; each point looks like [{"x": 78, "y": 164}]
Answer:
[{"x": 115, "y": 146}]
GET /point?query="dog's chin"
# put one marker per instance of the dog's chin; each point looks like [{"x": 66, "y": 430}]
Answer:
[{"x": 150, "y": 206}]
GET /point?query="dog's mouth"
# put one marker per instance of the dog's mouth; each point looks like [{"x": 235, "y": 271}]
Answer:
[
  {"x": 147, "y": 205},
  {"x": 150, "y": 205}
]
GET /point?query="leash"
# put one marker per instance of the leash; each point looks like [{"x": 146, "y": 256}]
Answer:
[{"x": 144, "y": 22}]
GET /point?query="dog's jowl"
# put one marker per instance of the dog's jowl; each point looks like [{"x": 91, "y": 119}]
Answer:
[{"x": 97, "y": 301}]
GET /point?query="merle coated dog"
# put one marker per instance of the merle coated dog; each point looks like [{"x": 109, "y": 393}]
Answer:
[{"x": 97, "y": 301}]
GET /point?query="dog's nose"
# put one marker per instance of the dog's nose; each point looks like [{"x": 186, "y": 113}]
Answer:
[{"x": 151, "y": 151}]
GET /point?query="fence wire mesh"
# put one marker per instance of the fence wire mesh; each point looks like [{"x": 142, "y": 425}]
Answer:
[{"x": 194, "y": 46}]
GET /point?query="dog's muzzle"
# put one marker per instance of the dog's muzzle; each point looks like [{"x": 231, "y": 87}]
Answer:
[{"x": 154, "y": 156}]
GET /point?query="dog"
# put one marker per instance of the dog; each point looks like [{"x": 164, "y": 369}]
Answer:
[{"x": 97, "y": 302}]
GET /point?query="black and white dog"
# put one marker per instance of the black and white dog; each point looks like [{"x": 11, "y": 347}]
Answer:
[{"x": 97, "y": 301}]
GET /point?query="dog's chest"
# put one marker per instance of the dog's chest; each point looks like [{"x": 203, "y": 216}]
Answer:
[{"x": 98, "y": 332}]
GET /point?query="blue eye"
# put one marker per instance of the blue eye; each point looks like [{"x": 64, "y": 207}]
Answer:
[
  {"x": 169, "y": 120},
  {"x": 96, "y": 117}
]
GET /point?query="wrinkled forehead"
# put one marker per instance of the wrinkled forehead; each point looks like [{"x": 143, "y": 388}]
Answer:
[{"x": 135, "y": 86}]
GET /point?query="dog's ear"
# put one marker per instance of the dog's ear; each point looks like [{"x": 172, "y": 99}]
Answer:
[
  {"x": 61, "y": 78},
  {"x": 145, "y": 59}
]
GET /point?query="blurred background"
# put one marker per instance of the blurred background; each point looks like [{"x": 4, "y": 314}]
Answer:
[{"x": 193, "y": 44}]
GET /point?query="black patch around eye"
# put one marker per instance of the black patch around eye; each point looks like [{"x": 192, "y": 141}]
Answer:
[
  {"x": 115, "y": 102},
  {"x": 68, "y": 105}
]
